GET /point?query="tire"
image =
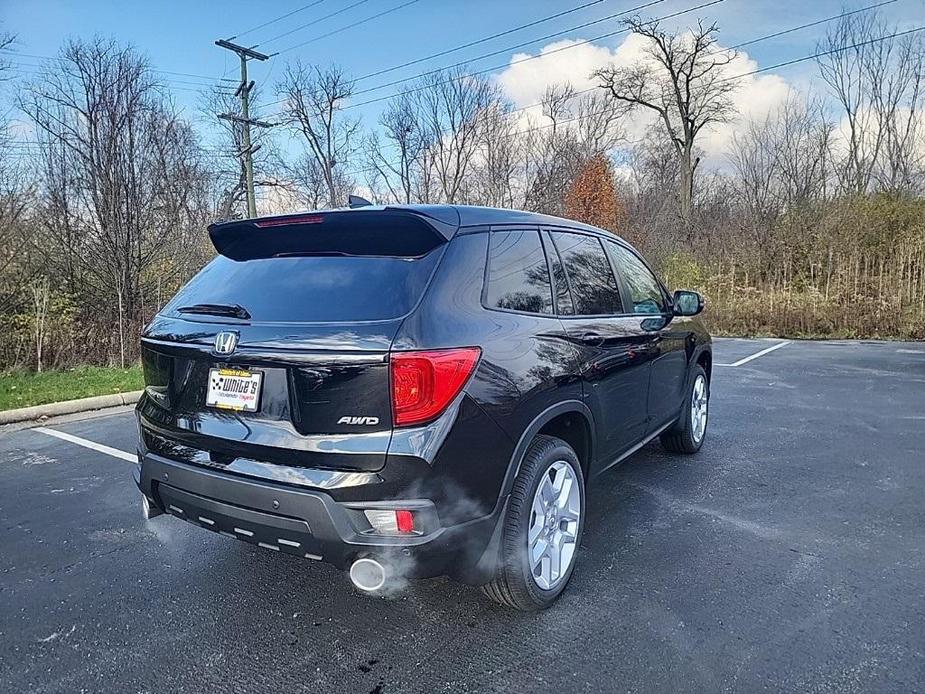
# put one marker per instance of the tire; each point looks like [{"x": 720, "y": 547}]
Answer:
[
  {"x": 549, "y": 461},
  {"x": 686, "y": 436}
]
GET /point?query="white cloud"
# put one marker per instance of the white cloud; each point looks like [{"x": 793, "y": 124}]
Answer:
[
  {"x": 755, "y": 98},
  {"x": 524, "y": 81},
  {"x": 570, "y": 61},
  {"x": 21, "y": 129}
]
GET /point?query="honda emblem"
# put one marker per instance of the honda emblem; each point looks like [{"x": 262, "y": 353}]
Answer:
[{"x": 225, "y": 342}]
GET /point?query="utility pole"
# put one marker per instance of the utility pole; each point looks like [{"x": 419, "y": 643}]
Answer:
[{"x": 244, "y": 90}]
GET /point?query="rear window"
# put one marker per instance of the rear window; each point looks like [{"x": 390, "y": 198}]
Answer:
[{"x": 311, "y": 288}]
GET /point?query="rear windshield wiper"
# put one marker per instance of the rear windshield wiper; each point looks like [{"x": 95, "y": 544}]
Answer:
[
  {"x": 315, "y": 254},
  {"x": 338, "y": 254},
  {"x": 229, "y": 310}
]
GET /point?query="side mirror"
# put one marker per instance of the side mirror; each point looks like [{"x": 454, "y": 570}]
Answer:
[{"x": 687, "y": 303}]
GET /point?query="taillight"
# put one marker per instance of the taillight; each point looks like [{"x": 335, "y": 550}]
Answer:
[{"x": 425, "y": 383}]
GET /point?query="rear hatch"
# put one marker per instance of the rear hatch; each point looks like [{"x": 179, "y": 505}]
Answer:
[{"x": 277, "y": 351}]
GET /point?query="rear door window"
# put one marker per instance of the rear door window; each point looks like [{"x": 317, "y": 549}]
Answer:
[
  {"x": 518, "y": 277},
  {"x": 590, "y": 276}
]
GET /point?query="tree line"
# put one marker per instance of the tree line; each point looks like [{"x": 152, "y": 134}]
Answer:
[{"x": 814, "y": 224}]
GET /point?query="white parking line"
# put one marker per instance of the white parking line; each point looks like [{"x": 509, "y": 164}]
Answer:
[
  {"x": 92, "y": 445},
  {"x": 766, "y": 350}
]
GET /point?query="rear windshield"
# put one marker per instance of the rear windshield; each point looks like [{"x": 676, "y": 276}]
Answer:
[{"x": 311, "y": 288}]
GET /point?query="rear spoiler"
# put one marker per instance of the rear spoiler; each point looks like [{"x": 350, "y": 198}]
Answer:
[{"x": 367, "y": 231}]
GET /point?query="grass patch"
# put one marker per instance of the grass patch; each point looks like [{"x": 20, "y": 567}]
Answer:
[{"x": 25, "y": 388}]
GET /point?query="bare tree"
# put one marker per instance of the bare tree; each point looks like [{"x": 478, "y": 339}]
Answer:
[
  {"x": 654, "y": 164},
  {"x": 555, "y": 103},
  {"x": 902, "y": 163},
  {"x": 877, "y": 81},
  {"x": 6, "y": 40},
  {"x": 682, "y": 81},
  {"x": 781, "y": 161},
  {"x": 451, "y": 106},
  {"x": 498, "y": 159},
  {"x": 40, "y": 294},
  {"x": 314, "y": 101},
  {"x": 849, "y": 66},
  {"x": 122, "y": 175},
  {"x": 598, "y": 127},
  {"x": 398, "y": 159},
  {"x": 15, "y": 197},
  {"x": 549, "y": 152},
  {"x": 575, "y": 128},
  {"x": 311, "y": 186}
]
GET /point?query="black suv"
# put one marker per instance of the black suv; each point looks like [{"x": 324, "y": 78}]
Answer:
[{"x": 415, "y": 391}]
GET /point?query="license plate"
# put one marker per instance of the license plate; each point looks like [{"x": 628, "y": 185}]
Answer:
[{"x": 234, "y": 389}]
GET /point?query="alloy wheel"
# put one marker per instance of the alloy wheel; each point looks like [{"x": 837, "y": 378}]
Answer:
[
  {"x": 554, "y": 521},
  {"x": 699, "y": 404}
]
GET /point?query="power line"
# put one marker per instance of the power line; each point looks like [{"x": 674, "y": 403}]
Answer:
[
  {"x": 786, "y": 63},
  {"x": 740, "y": 45},
  {"x": 348, "y": 26},
  {"x": 750, "y": 42},
  {"x": 274, "y": 21},
  {"x": 536, "y": 57},
  {"x": 308, "y": 24},
  {"x": 37, "y": 70},
  {"x": 812, "y": 24},
  {"x": 528, "y": 58},
  {"x": 750, "y": 73},
  {"x": 822, "y": 54},
  {"x": 169, "y": 83},
  {"x": 484, "y": 39},
  {"x": 26, "y": 146},
  {"x": 166, "y": 72},
  {"x": 511, "y": 48},
  {"x": 745, "y": 43}
]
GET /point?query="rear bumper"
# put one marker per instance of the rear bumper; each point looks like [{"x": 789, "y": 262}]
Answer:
[{"x": 311, "y": 524}]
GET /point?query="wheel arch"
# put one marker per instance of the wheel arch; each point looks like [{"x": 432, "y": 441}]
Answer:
[
  {"x": 484, "y": 568},
  {"x": 705, "y": 360},
  {"x": 561, "y": 420}
]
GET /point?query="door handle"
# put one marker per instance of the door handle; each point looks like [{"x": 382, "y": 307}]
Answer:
[{"x": 592, "y": 339}]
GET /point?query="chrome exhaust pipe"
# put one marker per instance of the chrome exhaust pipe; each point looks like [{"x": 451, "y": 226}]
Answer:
[
  {"x": 149, "y": 510},
  {"x": 368, "y": 575}
]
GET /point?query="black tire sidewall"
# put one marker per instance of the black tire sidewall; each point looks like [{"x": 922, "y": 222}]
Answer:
[{"x": 558, "y": 451}]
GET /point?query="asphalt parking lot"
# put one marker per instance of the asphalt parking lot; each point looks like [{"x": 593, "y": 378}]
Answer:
[{"x": 788, "y": 555}]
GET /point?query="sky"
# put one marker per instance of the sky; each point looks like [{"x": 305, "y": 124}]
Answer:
[{"x": 178, "y": 37}]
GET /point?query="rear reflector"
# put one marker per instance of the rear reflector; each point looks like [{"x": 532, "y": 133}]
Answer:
[
  {"x": 389, "y": 522},
  {"x": 425, "y": 383},
  {"x": 405, "y": 521}
]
